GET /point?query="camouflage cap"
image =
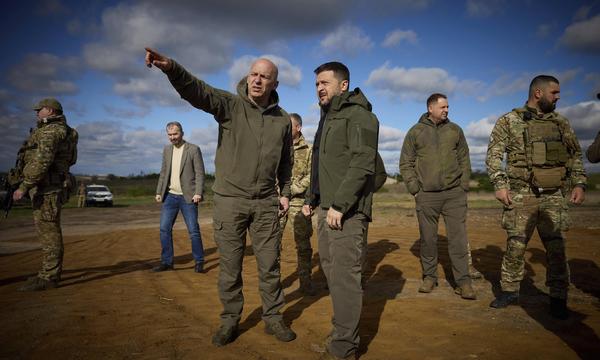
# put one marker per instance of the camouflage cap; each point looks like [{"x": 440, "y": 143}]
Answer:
[{"x": 51, "y": 103}]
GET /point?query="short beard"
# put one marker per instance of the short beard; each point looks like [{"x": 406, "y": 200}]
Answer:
[{"x": 546, "y": 106}]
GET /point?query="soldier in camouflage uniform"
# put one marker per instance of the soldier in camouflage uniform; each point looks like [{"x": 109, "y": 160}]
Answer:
[
  {"x": 81, "y": 196},
  {"x": 544, "y": 163},
  {"x": 46, "y": 157},
  {"x": 301, "y": 225}
]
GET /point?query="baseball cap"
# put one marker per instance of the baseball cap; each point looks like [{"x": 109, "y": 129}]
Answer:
[{"x": 51, "y": 103}]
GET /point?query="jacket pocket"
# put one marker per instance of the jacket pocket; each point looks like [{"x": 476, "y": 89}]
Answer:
[{"x": 217, "y": 225}]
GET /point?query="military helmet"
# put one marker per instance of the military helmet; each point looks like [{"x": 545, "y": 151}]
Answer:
[{"x": 51, "y": 103}]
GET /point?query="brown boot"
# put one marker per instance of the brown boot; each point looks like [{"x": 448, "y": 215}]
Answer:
[
  {"x": 38, "y": 284},
  {"x": 474, "y": 273},
  {"x": 428, "y": 285},
  {"x": 306, "y": 286},
  {"x": 466, "y": 291}
]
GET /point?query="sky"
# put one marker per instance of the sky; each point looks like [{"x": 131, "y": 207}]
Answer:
[{"x": 481, "y": 53}]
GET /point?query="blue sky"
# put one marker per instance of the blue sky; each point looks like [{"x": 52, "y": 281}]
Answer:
[{"x": 482, "y": 54}]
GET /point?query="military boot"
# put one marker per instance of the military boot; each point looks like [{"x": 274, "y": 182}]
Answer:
[
  {"x": 428, "y": 285},
  {"x": 280, "y": 331},
  {"x": 474, "y": 273},
  {"x": 466, "y": 291},
  {"x": 224, "y": 335},
  {"x": 38, "y": 284},
  {"x": 306, "y": 286},
  {"x": 504, "y": 299},
  {"x": 558, "y": 308}
]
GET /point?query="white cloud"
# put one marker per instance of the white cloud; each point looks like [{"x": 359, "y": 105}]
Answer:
[
  {"x": 203, "y": 41},
  {"x": 149, "y": 91},
  {"x": 510, "y": 83},
  {"x": 584, "y": 118},
  {"x": 478, "y": 132},
  {"x": 417, "y": 83},
  {"x": 397, "y": 36},
  {"x": 346, "y": 40},
  {"x": 390, "y": 138},
  {"x": 45, "y": 74},
  {"x": 484, "y": 8},
  {"x": 583, "y": 36},
  {"x": 289, "y": 74}
]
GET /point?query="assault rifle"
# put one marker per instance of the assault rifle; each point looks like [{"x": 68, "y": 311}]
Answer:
[
  {"x": 12, "y": 180},
  {"x": 7, "y": 201}
]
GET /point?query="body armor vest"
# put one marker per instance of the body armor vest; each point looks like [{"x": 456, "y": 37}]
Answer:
[{"x": 546, "y": 153}]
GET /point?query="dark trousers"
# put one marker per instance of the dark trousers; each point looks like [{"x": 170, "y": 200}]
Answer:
[
  {"x": 452, "y": 205},
  {"x": 232, "y": 218},
  {"x": 341, "y": 254}
]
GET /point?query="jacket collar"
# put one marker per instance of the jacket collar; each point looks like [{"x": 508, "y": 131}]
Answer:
[{"x": 242, "y": 90}]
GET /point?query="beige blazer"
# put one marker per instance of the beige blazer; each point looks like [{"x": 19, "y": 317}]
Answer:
[{"x": 191, "y": 174}]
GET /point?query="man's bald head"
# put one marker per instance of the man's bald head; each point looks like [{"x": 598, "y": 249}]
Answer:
[{"x": 268, "y": 63}]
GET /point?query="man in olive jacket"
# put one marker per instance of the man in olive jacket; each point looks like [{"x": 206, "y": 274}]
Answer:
[
  {"x": 342, "y": 186},
  {"x": 254, "y": 149},
  {"x": 435, "y": 167},
  {"x": 593, "y": 152}
]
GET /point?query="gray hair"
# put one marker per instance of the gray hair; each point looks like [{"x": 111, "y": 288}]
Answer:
[{"x": 175, "y": 123}]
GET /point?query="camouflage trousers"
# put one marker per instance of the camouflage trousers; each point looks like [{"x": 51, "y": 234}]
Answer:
[
  {"x": 46, "y": 217},
  {"x": 302, "y": 228},
  {"x": 81, "y": 201},
  {"x": 548, "y": 213}
]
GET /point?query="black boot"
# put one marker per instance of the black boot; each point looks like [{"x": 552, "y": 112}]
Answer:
[
  {"x": 505, "y": 298},
  {"x": 558, "y": 308}
]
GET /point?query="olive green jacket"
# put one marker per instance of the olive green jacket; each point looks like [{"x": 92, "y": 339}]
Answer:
[
  {"x": 347, "y": 154},
  {"x": 593, "y": 152},
  {"x": 254, "y": 146},
  {"x": 435, "y": 157}
]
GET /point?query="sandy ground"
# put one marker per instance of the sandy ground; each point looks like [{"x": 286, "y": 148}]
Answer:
[{"x": 110, "y": 306}]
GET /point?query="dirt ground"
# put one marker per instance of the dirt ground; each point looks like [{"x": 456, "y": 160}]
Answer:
[{"x": 110, "y": 306}]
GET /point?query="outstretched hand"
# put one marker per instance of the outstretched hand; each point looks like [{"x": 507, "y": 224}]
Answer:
[{"x": 155, "y": 58}]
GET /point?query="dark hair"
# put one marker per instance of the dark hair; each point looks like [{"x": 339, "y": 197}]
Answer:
[
  {"x": 433, "y": 98},
  {"x": 296, "y": 117},
  {"x": 174, "y": 123},
  {"x": 539, "y": 81},
  {"x": 340, "y": 71}
]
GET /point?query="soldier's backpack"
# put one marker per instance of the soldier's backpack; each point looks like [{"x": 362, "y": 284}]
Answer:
[{"x": 70, "y": 181}]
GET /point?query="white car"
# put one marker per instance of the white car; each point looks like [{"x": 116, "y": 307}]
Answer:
[{"x": 98, "y": 194}]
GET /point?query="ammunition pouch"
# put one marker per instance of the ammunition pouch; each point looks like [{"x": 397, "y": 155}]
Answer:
[
  {"x": 548, "y": 178},
  {"x": 551, "y": 153}
]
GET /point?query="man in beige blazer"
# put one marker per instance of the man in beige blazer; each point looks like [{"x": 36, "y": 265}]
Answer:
[{"x": 180, "y": 187}]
